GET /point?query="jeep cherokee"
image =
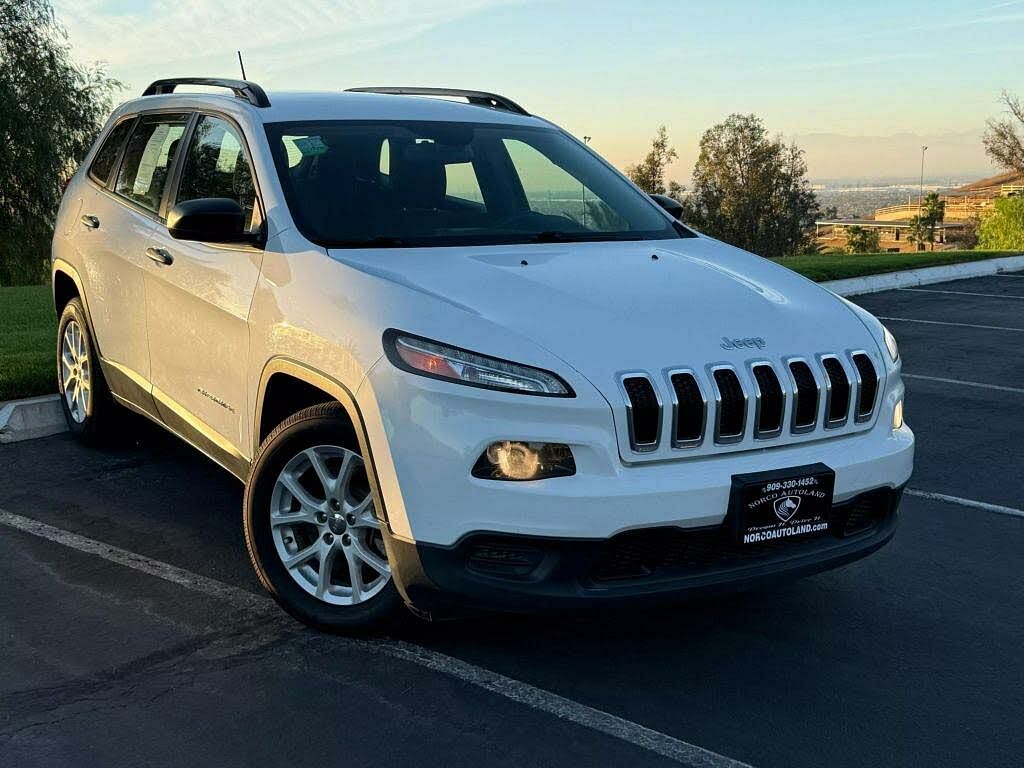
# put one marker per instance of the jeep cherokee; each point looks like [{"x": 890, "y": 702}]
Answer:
[{"x": 460, "y": 361}]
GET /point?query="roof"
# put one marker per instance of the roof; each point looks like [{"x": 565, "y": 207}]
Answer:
[{"x": 340, "y": 105}]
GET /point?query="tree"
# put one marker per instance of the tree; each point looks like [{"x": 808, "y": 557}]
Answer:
[
  {"x": 965, "y": 238},
  {"x": 933, "y": 213},
  {"x": 1004, "y": 229},
  {"x": 862, "y": 240},
  {"x": 751, "y": 190},
  {"x": 1003, "y": 144},
  {"x": 50, "y": 110},
  {"x": 649, "y": 174},
  {"x": 831, "y": 213}
]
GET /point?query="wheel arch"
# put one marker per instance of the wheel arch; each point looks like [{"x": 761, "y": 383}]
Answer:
[
  {"x": 66, "y": 285},
  {"x": 287, "y": 386}
]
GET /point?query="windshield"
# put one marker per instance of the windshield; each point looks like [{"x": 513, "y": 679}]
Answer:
[{"x": 360, "y": 184}]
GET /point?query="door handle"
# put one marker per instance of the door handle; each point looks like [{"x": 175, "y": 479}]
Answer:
[
  {"x": 90, "y": 221},
  {"x": 159, "y": 255}
]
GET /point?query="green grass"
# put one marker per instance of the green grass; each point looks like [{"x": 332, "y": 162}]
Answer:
[
  {"x": 837, "y": 266},
  {"x": 28, "y": 331},
  {"x": 28, "y": 325}
]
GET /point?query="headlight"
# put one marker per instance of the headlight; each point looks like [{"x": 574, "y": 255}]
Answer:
[
  {"x": 440, "y": 361},
  {"x": 890, "y": 343}
]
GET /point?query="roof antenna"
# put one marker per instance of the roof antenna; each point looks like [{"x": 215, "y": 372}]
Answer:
[{"x": 242, "y": 65}]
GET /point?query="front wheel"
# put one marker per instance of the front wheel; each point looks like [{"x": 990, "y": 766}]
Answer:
[{"x": 311, "y": 526}]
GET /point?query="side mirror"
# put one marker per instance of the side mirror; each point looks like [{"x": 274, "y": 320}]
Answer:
[
  {"x": 208, "y": 220},
  {"x": 672, "y": 206}
]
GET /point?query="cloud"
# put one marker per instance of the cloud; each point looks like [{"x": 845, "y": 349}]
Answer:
[{"x": 151, "y": 38}]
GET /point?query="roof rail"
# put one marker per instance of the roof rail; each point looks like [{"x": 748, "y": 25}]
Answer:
[
  {"x": 243, "y": 89},
  {"x": 480, "y": 98}
]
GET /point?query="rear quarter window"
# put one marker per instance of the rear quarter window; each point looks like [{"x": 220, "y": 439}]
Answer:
[{"x": 103, "y": 162}]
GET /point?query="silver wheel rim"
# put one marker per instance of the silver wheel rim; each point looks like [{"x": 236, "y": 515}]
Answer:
[
  {"x": 325, "y": 529},
  {"x": 76, "y": 372}
]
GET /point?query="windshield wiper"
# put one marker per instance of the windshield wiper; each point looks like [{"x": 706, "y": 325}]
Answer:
[
  {"x": 556, "y": 236},
  {"x": 381, "y": 241}
]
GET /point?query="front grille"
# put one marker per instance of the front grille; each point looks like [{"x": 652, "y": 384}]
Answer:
[
  {"x": 838, "y": 392},
  {"x": 867, "y": 388},
  {"x": 732, "y": 406},
  {"x": 644, "y": 412},
  {"x": 771, "y": 401},
  {"x": 690, "y": 410},
  {"x": 667, "y": 552},
  {"x": 716, "y": 397}
]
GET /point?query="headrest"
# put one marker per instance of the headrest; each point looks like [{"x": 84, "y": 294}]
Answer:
[{"x": 419, "y": 180}]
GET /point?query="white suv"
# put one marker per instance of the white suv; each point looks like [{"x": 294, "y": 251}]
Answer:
[{"x": 460, "y": 361}]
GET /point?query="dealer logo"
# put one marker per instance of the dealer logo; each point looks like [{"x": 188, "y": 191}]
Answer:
[{"x": 786, "y": 507}]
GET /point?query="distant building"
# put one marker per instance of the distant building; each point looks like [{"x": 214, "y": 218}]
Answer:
[
  {"x": 892, "y": 235},
  {"x": 963, "y": 205}
]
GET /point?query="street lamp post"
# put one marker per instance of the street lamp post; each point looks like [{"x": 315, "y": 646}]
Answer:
[
  {"x": 583, "y": 187},
  {"x": 920, "y": 196}
]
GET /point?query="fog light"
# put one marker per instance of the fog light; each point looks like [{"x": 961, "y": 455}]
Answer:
[
  {"x": 514, "y": 460},
  {"x": 897, "y": 415}
]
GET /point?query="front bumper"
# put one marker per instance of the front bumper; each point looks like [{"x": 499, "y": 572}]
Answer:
[
  {"x": 537, "y": 574},
  {"x": 426, "y": 435}
]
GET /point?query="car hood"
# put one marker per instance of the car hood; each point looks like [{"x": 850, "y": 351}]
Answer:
[{"x": 607, "y": 308}]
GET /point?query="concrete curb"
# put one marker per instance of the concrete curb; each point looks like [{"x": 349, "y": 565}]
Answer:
[
  {"x": 855, "y": 286},
  {"x": 30, "y": 418}
]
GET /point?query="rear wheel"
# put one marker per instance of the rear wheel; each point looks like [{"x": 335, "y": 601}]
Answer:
[
  {"x": 311, "y": 526},
  {"x": 85, "y": 398}
]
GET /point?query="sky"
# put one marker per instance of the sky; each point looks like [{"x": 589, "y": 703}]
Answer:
[{"x": 860, "y": 86}]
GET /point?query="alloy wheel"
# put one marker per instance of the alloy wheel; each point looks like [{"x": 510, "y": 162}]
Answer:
[
  {"x": 76, "y": 372},
  {"x": 324, "y": 526}
]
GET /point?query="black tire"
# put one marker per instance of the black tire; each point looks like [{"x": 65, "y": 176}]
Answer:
[
  {"x": 101, "y": 412},
  {"x": 323, "y": 424}
]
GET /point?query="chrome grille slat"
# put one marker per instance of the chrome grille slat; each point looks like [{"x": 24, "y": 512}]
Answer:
[
  {"x": 867, "y": 386},
  {"x": 730, "y": 406},
  {"x": 837, "y": 392},
  {"x": 689, "y": 409},
  {"x": 805, "y": 397},
  {"x": 771, "y": 401},
  {"x": 643, "y": 412}
]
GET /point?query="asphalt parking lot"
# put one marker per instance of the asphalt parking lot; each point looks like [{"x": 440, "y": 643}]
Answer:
[{"x": 133, "y": 632}]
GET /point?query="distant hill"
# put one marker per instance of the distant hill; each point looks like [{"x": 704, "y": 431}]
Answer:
[{"x": 1011, "y": 177}]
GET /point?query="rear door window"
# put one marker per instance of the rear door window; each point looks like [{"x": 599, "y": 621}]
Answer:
[
  {"x": 151, "y": 149},
  {"x": 106, "y": 156}
]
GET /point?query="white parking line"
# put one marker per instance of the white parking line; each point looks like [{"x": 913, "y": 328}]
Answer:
[
  {"x": 977, "y": 384},
  {"x": 998, "y": 508},
  {"x": 523, "y": 693},
  {"x": 961, "y": 293},
  {"x": 942, "y": 322}
]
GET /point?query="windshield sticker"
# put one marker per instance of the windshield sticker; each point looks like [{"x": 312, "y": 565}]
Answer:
[{"x": 311, "y": 146}]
